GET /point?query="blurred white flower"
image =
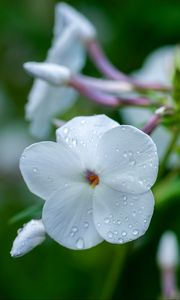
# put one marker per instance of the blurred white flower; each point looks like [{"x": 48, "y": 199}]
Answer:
[
  {"x": 31, "y": 235},
  {"x": 67, "y": 15},
  {"x": 168, "y": 251},
  {"x": 158, "y": 68},
  {"x": 13, "y": 139},
  {"x": 46, "y": 101},
  {"x": 96, "y": 181}
]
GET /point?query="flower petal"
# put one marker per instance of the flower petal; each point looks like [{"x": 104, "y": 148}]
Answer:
[
  {"x": 30, "y": 236},
  {"x": 48, "y": 166},
  {"x": 82, "y": 135},
  {"x": 67, "y": 217},
  {"x": 67, "y": 50},
  {"x": 127, "y": 160},
  {"x": 66, "y": 14},
  {"x": 121, "y": 217},
  {"x": 45, "y": 102}
]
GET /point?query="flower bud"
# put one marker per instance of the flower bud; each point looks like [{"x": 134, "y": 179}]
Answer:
[
  {"x": 71, "y": 16},
  {"x": 31, "y": 235},
  {"x": 168, "y": 256},
  {"x": 52, "y": 73}
]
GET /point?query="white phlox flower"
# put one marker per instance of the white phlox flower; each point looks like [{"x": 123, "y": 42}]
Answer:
[
  {"x": 30, "y": 236},
  {"x": 158, "y": 68},
  {"x": 96, "y": 181},
  {"x": 168, "y": 251},
  {"x": 46, "y": 101}
]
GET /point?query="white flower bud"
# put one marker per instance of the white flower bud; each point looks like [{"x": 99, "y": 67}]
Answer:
[
  {"x": 30, "y": 236},
  {"x": 71, "y": 16},
  {"x": 52, "y": 73},
  {"x": 168, "y": 252}
]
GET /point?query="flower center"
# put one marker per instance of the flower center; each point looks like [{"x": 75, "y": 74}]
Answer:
[{"x": 92, "y": 178}]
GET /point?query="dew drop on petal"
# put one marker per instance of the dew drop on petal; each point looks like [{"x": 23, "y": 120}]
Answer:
[
  {"x": 106, "y": 220},
  {"x": 86, "y": 224},
  {"x": 110, "y": 235},
  {"x": 74, "y": 229},
  {"x": 120, "y": 241},
  {"x": 65, "y": 130},
  {"x": 125, "y": 154},
  {"x": 80, "y": 243},
  {"x": 135, "y": 232},
  {"x": 124, "y": 233}
]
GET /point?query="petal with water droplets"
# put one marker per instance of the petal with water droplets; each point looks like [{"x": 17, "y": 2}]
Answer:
[
  {"x": 48, "y": 166},
  {"x": 67, "y": 217},
  {"x": 82, "y": 135},
  {"x": 121, "y": 217},
  {"x": 127, "y": 159}
]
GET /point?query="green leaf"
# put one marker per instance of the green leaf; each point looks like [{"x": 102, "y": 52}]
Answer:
[{"x": 32, "y": 211}]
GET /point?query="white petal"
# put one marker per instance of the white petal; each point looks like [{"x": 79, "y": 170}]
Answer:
[
  {"x": 158, "y": 66},
  {"x": 82, "y": 135},
  {"x": 45, "y": 102},
  {"x": 121, "y": 217},
  {"x": 127, "y": 159},
  {"x": 47, "y": 166},
  {"x": 52, "y": 73},
  {"x": 66, "y": 14},
  {"x": 30, "y": 236},
  {"x": 67, "y": 217},
  {"x": 68, "y": 50}
]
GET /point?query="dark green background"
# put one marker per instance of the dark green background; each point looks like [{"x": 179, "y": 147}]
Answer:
[{"x": 128, "y": 31}]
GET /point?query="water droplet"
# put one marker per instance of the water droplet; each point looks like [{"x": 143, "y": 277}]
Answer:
[
  {"x": 115, "y": 232},
  {"x": 138, "y": 152},
  {"x": 135, "y": 232},
  {"x": 124, "y": 233},
  {"x": 124, "y": 197},
  {"x": 117, "y": 150},
  {"x": 120, "y": 241},
  {"x": 130, "y": 153},
  {"x": 134, "y": 213},
  {"x": 132, "y": 163},
  {"x": 23, "y": 156},
  {"x": 67, "y": 140},
  {"x": 125, "y": 154},
  {"x": 35, "y": 170},
  {"x": 130, "y": 225},
  {"x": 74, "y": 229},
  {"x": 126, "y": 218},
  {"x": 118, "y": 222},
  {"x": 145, "y": 221},
  {"x": 110, "y": 215},
  {"x": 74, "y": 142},
  {"x": 98, "y": 224},
  {"x": 65, "y": 130},
  {"x": 80, "y": 243},
  {"x": 110, "y": 234},
  {"x": 106, "y": 220},
  {"x": 83, "y": 122},
  {"x": 144, "y": 166},
  {"x": 86, "y": 224}
]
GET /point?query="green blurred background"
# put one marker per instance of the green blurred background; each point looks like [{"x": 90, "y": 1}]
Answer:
[{"x": 128, "y": 31}]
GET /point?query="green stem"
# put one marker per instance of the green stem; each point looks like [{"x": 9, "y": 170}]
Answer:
[
  {"x": 114, "y": 272},
  {"x": 168, "y": 152}
]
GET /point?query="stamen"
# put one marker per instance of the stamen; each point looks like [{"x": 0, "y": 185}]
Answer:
[{"x": 92, "y": 178}]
